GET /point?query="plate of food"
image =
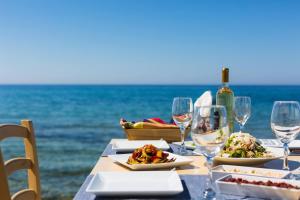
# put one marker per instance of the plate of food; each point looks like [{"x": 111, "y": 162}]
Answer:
[
  {"x": 260, "y": 187},
  {"x": 150, "y": 157},
  {"x": 244, "y": 149},
  {"x": 224, "y": 170}
]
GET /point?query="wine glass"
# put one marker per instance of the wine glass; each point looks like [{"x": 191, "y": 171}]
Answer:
[
  {"x": 209, "y": 132},
  {"x": 242, "y": 110},
  {"x": 285, "y": 124},
  {"x": 182, "y": 112}
]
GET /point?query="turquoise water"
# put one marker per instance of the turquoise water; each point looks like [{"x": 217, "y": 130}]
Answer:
[{"x": 74, "y": 123}]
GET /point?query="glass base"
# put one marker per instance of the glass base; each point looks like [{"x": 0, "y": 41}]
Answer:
[
  {"x": 182, "y": 150},
  {"x": 209, "y": 193},
  {"x": 285, "y": 168},
  {"x": 294, "y": 177}
]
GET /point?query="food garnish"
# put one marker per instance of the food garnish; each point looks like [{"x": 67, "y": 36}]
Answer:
[
  {"x": 244, "y": 145},
  {"x": 264, "y": 183},
  {"x": 149, "y": 154},
  {"x": 260, "y": 172}
]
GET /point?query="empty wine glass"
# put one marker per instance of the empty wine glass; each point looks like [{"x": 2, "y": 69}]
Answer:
[
  {"x": 182, "y": 112},
  {"x": 209, "y": 132},
  {"x": 285, "y": 124},
  {"x": 242, "y": 110}
]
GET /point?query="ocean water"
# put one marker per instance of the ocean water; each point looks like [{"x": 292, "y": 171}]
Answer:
[{"x": 74, "y": 123}]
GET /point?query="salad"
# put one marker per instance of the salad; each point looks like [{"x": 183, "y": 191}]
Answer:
[{"x": 243, "y": 145}]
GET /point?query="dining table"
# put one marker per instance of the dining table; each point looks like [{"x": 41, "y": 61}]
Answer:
[{"x": 193, "y": 176}]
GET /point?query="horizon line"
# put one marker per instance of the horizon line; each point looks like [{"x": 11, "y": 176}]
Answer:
[{"x": 137, "y": 84}]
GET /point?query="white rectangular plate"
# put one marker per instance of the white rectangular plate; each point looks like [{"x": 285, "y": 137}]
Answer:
[
  {"x": 180, "y": 160},
  {"x": 131, "y": 145},
  {"x": 224, "y": 170},
  {"x": 259, "y": 191},
  {"x": 141, "y": 183}
]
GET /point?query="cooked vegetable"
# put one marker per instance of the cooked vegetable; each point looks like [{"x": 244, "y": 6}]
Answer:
[
  {"x": 243, "y": 145},
  {"x": 149, "y": 154}
]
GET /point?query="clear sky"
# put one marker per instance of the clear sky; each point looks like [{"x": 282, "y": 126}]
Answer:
[{"x": 149, "y": 41}]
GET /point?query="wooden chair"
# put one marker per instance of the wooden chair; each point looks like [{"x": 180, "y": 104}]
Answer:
[{"x": 30, "y": 162}]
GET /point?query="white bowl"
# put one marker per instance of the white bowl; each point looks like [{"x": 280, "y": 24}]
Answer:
[{"x": 276, "y": 153}]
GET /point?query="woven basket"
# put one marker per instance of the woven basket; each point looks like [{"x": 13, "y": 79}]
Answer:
[{"x": 170, "y": 135}]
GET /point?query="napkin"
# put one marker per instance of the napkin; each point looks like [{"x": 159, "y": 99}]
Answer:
[{"x": 204, "y": 100}]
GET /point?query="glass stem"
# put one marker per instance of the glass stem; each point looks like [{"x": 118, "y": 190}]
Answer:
[
  {"x": 209, "y": 162},
  {"x": 182, "y": 133},
  {"x": 241, "y": 128},
  {"x": 286, "y": 154}
]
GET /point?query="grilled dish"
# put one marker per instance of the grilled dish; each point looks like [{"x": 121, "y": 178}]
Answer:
[{"x": 149, "y": 154}]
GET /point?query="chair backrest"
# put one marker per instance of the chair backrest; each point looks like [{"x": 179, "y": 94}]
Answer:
[{"x": 30, "y": 162}]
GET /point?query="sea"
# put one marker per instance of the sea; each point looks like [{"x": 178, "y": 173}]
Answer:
[{"x": 74, "y": 123}]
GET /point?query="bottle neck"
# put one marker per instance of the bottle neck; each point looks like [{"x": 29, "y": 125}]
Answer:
[{"x": 225, "y": 84}]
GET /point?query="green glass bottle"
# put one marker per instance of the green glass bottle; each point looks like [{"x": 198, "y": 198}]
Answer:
[{"x": 225, "y": 97}]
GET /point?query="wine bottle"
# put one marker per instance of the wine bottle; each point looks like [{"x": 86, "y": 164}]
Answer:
[{"x": 225, "y": 96}]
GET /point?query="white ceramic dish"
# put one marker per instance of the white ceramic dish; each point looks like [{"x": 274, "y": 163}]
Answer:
[
  {"x": 130, "y": 146},
  {"x": 276, "y": 154},
  {"x": 139, "y": 183},
  {"x": 180, "y": 160},
  {"x": 224, "y": 170},
  {"x": 259, "y": 191}
]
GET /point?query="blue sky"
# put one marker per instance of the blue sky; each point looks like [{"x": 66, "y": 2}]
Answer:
[{"x": 149, "y": 41}]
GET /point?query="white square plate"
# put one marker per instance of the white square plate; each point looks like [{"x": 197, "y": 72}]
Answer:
[
  {"x": 224, "y": 170},
  {"x": 141, "y": 183},
  {"x": 131, "y": 145},
  {"x": 260, "y": 191},
  {"x": 180, "y": 160}
]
